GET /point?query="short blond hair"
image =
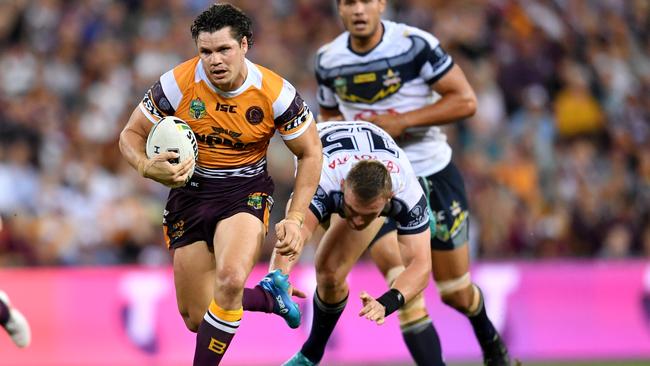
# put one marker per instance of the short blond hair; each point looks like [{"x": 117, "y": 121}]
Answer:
[{"x": 369, "y": 179}]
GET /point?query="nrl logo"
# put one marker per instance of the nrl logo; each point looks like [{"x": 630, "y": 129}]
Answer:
[
  {"x": 255, "y": 200},
  {"x": 197, "y": 108},
  {"x": 341, "y": 85}
]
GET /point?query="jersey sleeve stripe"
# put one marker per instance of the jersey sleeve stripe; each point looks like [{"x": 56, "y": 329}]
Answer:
[
  {"x": 412, "y": 230},
  {"x": 440, "y": 70},
  {"x": 303, "y": 127},
  {"x": 146, "y": 113},
  {"x": 170, "y": 89},
  {"x": 284, "y": 101}
]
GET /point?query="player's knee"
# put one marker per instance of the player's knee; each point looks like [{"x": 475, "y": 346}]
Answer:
[
  {"x": 230, "y": 281},
  {"x": 329, "y": 279},
  {"x": 460, "y": 300},
  {"x": 412, "y": 311},
  {"x": 458, "y": 293}
]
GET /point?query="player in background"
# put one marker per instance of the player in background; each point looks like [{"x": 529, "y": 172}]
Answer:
[
  {"x": 401, "y": 79},
  {"x": 13, "y": 321},
  {"x": 365, "y": 175},
  {"x": 216, "y": 223}
]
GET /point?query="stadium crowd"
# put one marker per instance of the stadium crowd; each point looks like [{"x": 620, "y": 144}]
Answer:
[{"x": 556, "y": 159}]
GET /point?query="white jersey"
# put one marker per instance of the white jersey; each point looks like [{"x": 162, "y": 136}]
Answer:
[
  {"x": 394, "y": 77},
  {"x": 345, "y": 143}
]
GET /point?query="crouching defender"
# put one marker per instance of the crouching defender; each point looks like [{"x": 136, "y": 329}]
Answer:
[{"x": 365, "y": 177}]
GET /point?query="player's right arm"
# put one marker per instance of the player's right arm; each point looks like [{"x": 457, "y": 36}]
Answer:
[
  {"x": 280, "y": 258},
  {"x": 133, "y": 139}
]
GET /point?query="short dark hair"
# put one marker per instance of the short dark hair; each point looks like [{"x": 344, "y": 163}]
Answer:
[
  {"x": 221, "y": 15},
  {"x": 369, "y": 179}
]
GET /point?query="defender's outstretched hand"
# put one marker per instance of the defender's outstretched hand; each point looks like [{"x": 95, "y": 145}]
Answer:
[{"x": 372, "y": 309}]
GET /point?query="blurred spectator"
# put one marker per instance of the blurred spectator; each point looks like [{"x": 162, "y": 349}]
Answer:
[{"x": 556, "y": 160}]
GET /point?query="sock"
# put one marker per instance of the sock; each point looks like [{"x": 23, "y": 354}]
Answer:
[
  {"x": 4, "y": 313},
  {"x": 215, "y": 333},
  {"x": 325, "y": 318},
  {"x": 423, "y": 343},
  {"x": 483, "y": 327},
  {"x": 256, "y": 299}
]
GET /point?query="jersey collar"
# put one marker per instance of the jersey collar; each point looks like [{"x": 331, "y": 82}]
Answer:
[
  {"x": 383, "y": 34},
  {"x": 254, "y": 78}
]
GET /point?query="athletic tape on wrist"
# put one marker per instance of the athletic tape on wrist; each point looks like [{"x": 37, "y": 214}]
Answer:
[
  {"x": 295, "y": 216},
  {"x": 392, "y": 300}
]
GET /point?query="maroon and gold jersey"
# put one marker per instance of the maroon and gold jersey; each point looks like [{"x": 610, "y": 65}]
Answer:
[{"x": 233, "y": 128}]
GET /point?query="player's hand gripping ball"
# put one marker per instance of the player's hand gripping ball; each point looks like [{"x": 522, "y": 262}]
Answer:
[{"x": 174, "y": 135}]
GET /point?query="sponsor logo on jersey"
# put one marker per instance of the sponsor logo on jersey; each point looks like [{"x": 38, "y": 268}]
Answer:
[
  {"x": 231, "y": 133},
  {"x": 221, "y": 107},
  {"x": 218, "y": 138},
  {"x": 197, "y": 108},
  {"x": 254, "y": 115},
  {"x": 299, "y": 120},
  {"x": 391, "y": 78},
  {"x": 368, "y": 77}
]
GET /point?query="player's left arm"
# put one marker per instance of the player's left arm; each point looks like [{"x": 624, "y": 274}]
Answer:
[
  {"x": 457, "y": 101},
  {"x": 309, "y": 153}
]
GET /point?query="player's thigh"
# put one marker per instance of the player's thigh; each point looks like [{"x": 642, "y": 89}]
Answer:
[
  {"x": 193, "y": 278},
  {"x": 449, "y": 242},
  {"x": 450, "y": 264},
  {"x": 385, "y": 252},
  {"x": 237, "y": 240},
  {"x": 341, "y": 247}
]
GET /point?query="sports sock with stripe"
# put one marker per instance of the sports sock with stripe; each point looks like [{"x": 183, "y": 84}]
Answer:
[
  {"x": 423, "y": 342},
  {"x": 216, "y": 331},
  {"x": 483, "y": 327}
]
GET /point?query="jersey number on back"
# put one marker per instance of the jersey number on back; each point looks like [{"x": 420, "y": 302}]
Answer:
[{"x": 345, "y": 139}]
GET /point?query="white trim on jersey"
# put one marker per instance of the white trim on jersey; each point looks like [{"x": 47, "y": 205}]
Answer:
[
  {"x": 284, "y": 100},
  {"x": 171, "y": 89},
  {"x": 146, "y": 113},
  {"x": 242, "y": 171}
]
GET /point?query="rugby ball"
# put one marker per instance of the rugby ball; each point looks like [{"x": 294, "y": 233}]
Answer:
[{"x": 173, "y": 134}]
